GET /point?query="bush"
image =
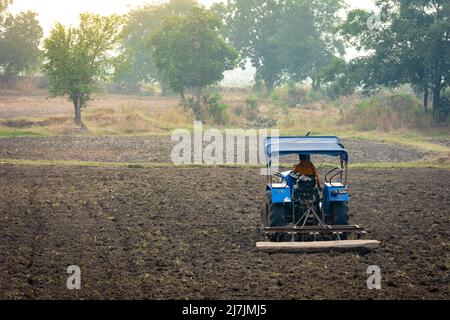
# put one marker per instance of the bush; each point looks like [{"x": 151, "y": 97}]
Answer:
[
  {"x": 262, "y": 122},
  {"x": 252, "y": 102},
  {"x": 215, "y": 109},
  {"x": 125, "y": 88},
  {"x": 388, "y": 112},
  {"x": 364, "y": 105},
  {"x": 148, "y": 90},
  {"x": 259, "y": 88},
  {"x": 290, "y": 95}
]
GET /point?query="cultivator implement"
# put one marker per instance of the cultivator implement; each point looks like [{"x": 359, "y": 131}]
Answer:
[
  {"x": 317, "y": 246},
  {"x": 310, "y": 239}
]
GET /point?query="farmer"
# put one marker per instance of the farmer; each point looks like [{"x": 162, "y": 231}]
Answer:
[{"x": 306, "y": 167}]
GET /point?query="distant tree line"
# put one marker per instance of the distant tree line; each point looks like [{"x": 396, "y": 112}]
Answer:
[
  {"x": 186, "y": 47},
  {"x": 20, "y": 36}
]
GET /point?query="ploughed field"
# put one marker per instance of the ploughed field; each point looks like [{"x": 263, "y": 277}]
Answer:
[
  {"x": 158, "y": 149},
  {"x": 180, "y": 233}
]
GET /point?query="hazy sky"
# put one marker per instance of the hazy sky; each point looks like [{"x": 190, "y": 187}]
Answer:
[{"x": 67, "y": 12}]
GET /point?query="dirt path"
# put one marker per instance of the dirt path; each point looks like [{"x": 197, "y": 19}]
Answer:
[
  {"x": 191, "y": 233},
  {"x": 159, "y": 148}
]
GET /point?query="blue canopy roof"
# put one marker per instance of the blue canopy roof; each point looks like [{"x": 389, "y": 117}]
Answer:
[{"x": 284, "y": 146}]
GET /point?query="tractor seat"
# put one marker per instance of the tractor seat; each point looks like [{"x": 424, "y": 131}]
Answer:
[
  {"x": 306, "y": 183},
  {"x": 305, "y": 189}
]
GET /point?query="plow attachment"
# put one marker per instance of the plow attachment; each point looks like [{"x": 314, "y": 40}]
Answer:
[
  {"x": 319, "y": 239},
  {"x": 317, "y": 246}
]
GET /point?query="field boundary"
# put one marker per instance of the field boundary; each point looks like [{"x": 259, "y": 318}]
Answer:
[
  {"x": 417, "y": 142},
  {"x": 147, "y": 165}
]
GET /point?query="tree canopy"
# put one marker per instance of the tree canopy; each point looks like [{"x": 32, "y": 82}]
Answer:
[
  {"x": 411, "y": 45},
  {"x": 77, "y": 58},
  {"x": 3, "y": 6},
  {"x": 137, "y": 60},
  {"x": 192, "y": 53},
  {"x": 285, "y": 39},
  {"x": 20, "y": 37}
]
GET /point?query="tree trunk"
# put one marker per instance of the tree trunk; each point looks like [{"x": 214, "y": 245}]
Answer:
[
  {"x": 270, "y": 85},
  {"x": 426, "y": 95},
  {"x": 315, "y": 84},
  {"x": 183, "y": 99},
  {"x": 77, "y": 107},
  {"x": 438, "y": 114},
  {"x": 163, "y": 89},
  {"x": 8, "y": 77},
  {"x": 197, "y": 104}
]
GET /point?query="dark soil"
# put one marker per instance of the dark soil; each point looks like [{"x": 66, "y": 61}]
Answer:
[
  {"x": 159, "y": 148},
  {"x": 442, "y": 141},
  {"x": 191, "y": 233}
]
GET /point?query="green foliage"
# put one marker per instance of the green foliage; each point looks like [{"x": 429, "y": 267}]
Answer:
[
  {"x": 136, "y": 60},
  {"x": 19, "y": 42},
  {"x": 250, "y": 24},
  {"x": 252, "y": 102},
  {"x": 398, "y": 111},
  {"x": 364, "y": 104},
  {"x": 337, "y": 78},
  {"x": 259, "y": 88},
  {"x": 290, "y": 95},
  {"x": 4, "y": 4},
  {"x": 191, "y": 53},
  {"x": 411, "y": 45},
  {"x": 18, "y": 133},
  {"x": 216, "y": 109},
  {"x": 77, "y": 58},
  {"x": 305, "y": 40},
  {"x": 288, "y": 38}
]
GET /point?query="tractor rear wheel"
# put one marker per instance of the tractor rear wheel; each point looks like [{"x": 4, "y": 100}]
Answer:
[
  {"x": 341, "y": 216},
  {"x": 264, "y": 215},
  {"x": 276, "y": 211},
  {"x": 340, "y": 213}
]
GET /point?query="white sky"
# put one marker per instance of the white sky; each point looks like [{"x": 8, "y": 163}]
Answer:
[{"x": 67, "y": 12}]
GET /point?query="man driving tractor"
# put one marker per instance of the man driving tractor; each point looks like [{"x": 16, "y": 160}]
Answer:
[{"x": 307, "y": 168}]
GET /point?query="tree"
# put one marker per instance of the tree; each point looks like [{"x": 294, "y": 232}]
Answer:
[
  {"x": 77, "y": 58},
  {"x": 284, "y": 38},
  {"x": 4, "y": 4},
  {"x": 192, "y": 54},
  {"x": 137, "y": 61},
  {"x": 411, "y": 45},
  {"x": 250, "y": 24},
  {"x": 306, "y": 39},
  {"x": 337, "y": 78},
  {"x": 20, "y": 36}
]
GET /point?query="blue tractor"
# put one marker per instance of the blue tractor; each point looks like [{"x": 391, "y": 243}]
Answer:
[{"x": 296, "y": 216}]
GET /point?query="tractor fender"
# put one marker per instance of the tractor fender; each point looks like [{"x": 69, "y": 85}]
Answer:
[
  {"x": 333, "y": 192},
  {"x": 281, "y": 192}
]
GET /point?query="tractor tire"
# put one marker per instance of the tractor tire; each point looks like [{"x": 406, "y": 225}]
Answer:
[
  {"x": 341, "y": 217},
  {"x": 341, "y": 214},
  {"x": 276, "y": 212},
  {"x": 264, "y": 215}
]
